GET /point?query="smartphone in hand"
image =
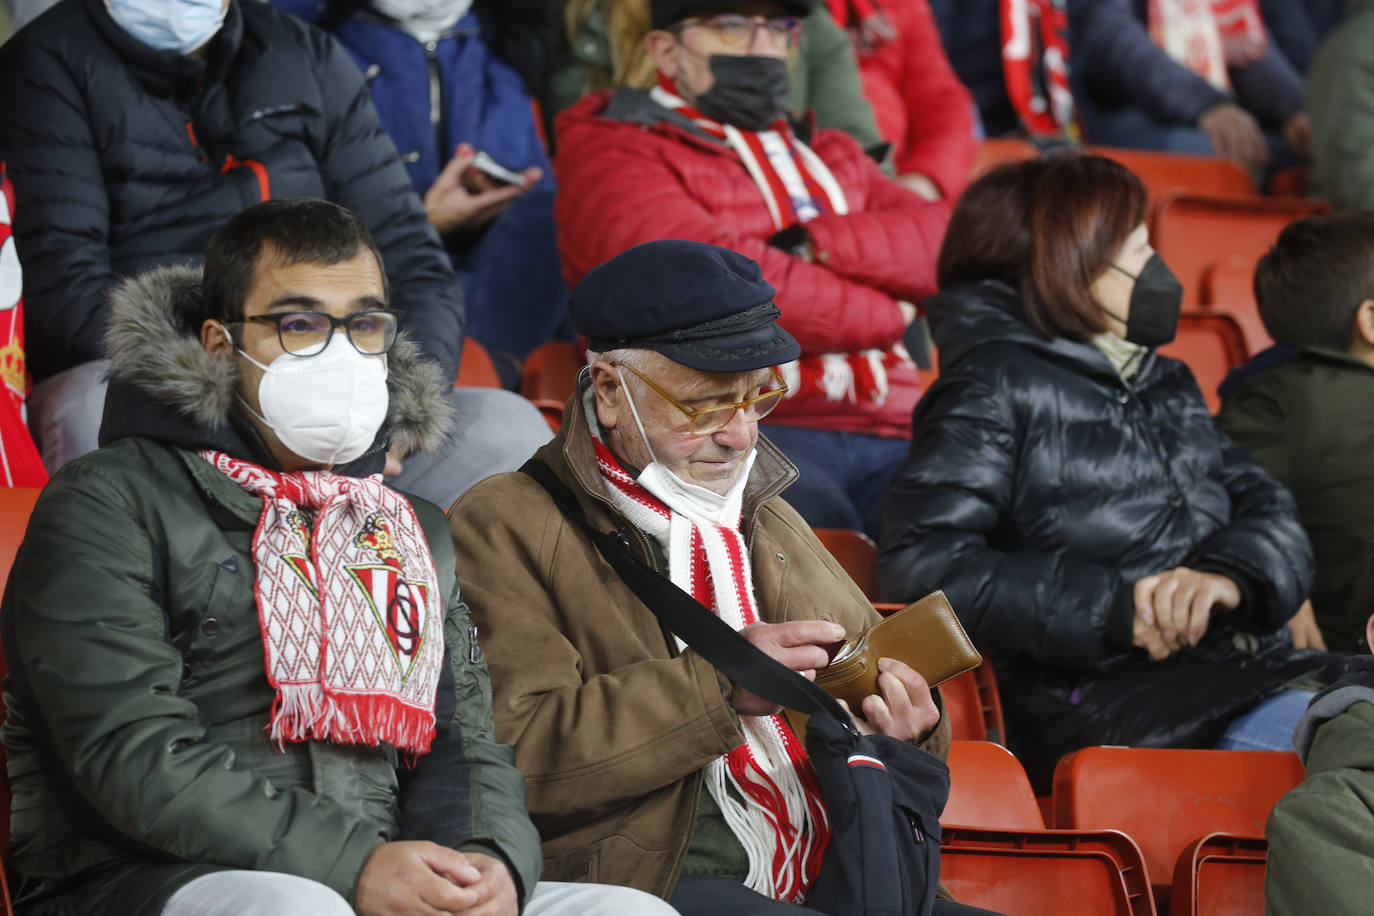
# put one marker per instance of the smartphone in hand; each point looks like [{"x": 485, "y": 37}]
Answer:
[{"x": 495, "y": 171}]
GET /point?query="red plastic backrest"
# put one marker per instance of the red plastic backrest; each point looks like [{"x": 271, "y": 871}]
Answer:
[
  {"x": 1220, "y": 875},
  {"x": 476, "y": 369},
  {"x": 1211, "y": 345},
  {"x": 989, "y": 788},
  {"x": 1164, "y": 173},
  {"x": 1166, "y": 798},
  {"x": 994, "y": 151},
  {"x": 856, "y": 552}
]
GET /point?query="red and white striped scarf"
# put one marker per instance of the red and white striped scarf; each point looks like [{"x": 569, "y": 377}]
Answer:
[
  {"x": 349, "y": 607},
  {"x": 797, "y": 186},
  {"x": 1208, "y": 36},
  {"x": 765, "y": 788}
]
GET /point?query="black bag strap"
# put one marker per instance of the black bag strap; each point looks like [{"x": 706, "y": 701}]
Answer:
[{"x": 733, "y": 655}]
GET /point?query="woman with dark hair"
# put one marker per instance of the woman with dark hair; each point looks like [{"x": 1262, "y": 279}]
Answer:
[{"x": 1128, "y": 570}]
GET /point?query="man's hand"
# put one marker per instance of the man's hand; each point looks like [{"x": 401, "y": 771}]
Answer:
[
  {"x": 905, "y": 710},
  {"x": 1235, "y": 135},
  {"x": 416, "y": 878},
  {"x": 1297, "y": 132},
  {"x": 495, "y": 889},
  {"x": 915, "y": 181},
  {"x": 1303, "y": 626},
  {"x": 456, "y": 201},
  {"x": 1178, "y": 604},
  {"x": 798, "y": 644}
]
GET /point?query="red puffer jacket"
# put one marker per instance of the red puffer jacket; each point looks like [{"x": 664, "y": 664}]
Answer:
[
  {"x": 921, "y": 106},
  {"x": 630, "y": 171}
]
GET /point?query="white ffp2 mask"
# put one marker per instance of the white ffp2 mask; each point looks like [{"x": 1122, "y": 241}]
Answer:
[{"x": 326, "y": 408}]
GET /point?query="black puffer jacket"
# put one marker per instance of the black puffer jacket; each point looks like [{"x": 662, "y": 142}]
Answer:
[
  {"x": 1040, "y": 487},
  {"x": 123, "y": 157}
]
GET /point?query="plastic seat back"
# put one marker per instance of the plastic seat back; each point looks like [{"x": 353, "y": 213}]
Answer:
[
  {"x": 856, "y": 552},
  {"x": 988, "y": 788},
  {"x": 1166, "y": 798},
  {"x": 1046, "y": 872},
  {"x": 1211, "y": 345},
  {"x": 1229, "y": 287},
  {"x": 476, "y": 370},
  {"x": 1220, "y": 875},
  {"x": 994, "y": 151},
  {"x": 1165, "y": 173},
  {"x": 1192, "y": 232},
  {"x": 550, "y": 378},
  {"x": 16, "y": 505}
]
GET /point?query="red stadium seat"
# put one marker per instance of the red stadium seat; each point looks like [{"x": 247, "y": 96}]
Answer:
[
  {"x": 550, "y": 378},
  {"x": 1167, "y": 798},
  {"x": 1229, "y": 286},
  {"x": 974, "y": 706},
  {"x": 1210, "y": 344},
  {"x": 1045, "y": 872},
  {"x": 994, "y": 151},
  {"x": 1192, "y": 233},
  {"x": 856, "y": 552},
  {"x": 1220, "y": 875},
  {"x": 989, "y": 788},
  {"x": 1163, "y": 173},
  {"x": 16, "y": 504},
  {"x": 476, "y": 369}
]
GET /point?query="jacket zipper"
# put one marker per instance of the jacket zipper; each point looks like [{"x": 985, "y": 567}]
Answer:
[{"x": 436, "y": 99}]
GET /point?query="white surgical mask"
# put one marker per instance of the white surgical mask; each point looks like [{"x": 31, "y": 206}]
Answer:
[
  {"x": 326, "y": 408},
  {"x": 677, "y": 494},
  {"x": 169, "y": 25}
]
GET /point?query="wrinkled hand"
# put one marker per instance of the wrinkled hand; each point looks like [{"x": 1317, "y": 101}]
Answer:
[
  {"x": 1235, "y": 135},
  {"x": 1303, "y": 627},
  {"x": 1297, "y": 132},
  {"x": 915, "y": 181},
  {"x": 417, "y": 878},
  {"x": 1178, "y": 604},
  {"x": 461, "y": 199},
  {"x": 905, "y": 710},
  {"x": 798, "y": 644}
]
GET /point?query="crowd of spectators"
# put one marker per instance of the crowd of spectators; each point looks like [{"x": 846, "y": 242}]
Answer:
[{"x": 1140, "y": 572}]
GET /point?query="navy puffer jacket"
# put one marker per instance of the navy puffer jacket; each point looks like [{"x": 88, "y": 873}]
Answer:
[
  {"x": 1040, "y": 487},
  {"x": 124, "y": 157}
]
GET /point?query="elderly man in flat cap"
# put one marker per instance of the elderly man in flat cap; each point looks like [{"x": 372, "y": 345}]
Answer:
[{"x": 638, "y": 754}]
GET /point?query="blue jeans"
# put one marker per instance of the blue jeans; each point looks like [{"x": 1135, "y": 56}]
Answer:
[
  {"x": 512, "y": 282},
  {"x": 1269, "y": 726},
  {"x": 844, "y": 476}
]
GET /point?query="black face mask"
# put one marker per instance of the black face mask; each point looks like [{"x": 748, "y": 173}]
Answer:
[
  {"x": 749, "y": 92},
  {"x": 1156, "y": 300}
]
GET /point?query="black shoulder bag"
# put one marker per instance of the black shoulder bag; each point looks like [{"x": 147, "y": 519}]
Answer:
[{"x": 883, "y": 796}]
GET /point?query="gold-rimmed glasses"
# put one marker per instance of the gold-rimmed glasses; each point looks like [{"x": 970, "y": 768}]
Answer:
[{"x": 703, "y": 421}]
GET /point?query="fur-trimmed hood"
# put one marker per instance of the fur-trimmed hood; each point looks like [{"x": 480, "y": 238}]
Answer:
[{"x": 164, "y": 384}]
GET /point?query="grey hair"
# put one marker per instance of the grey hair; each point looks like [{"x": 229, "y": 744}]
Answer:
[{"x": 640, "y": 358}]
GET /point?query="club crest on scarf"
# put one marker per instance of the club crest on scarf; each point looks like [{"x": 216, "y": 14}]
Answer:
[
  {"x": 348, "y": 598},
  {"x": 397, "y": 603}
]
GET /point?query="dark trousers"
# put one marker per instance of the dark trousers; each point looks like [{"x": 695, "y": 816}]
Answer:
[
  {"x": 844, "y": 476},
  {"x": 702, "y": 895}
]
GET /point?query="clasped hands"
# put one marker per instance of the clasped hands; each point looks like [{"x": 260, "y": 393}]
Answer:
[
  {"x": 1174, "y": 607},
  {"x": 904, "y": 709},
  {"x": 417, "y": 878}
]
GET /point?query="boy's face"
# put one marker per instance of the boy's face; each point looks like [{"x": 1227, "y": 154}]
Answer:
[{"x": 1369, "y": 633}]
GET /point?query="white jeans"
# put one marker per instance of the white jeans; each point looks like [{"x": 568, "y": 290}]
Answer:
[{"x": 266, "y": 893}]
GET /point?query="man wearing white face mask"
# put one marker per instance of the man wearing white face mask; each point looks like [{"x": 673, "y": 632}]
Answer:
[
  {"x": 133, "y": 129},
  {"x": 242, "y": 680},
  {"x": 622, "y": 733}
]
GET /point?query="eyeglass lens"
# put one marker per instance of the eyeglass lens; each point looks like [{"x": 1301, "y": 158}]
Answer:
[
  {"x": 738, "y": 31},
  {"x": 308, "y": 333},
  {"x": 713, "y": 419}
]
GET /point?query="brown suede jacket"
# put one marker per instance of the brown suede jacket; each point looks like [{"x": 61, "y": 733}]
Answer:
[{"x": 610, "y": 724}]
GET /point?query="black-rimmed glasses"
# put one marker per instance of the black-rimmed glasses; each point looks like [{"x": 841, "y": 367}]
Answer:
[{"x": 307, "y": 333}]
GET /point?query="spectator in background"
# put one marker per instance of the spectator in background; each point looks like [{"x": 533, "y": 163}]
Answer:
[
  {"x": 1319, "y": 833},
  {"x": 20, "y": 465},
  {"x": 133, "y": 131},
  {"x": 1310, "y": 421},
  {"x": 708, "y": 155},
  {"x": 500, "y": 236},
  {"x": 1126, "y": 568},
  {"x": 922, "y": 108},
  {"x": 1013, "y": 56},
  {"x": 1151, "y": 75},
  {"x": 1300, "y": 26},
  {"x": 1340, "y": 96},
  {"x": 605, "y": 49}
]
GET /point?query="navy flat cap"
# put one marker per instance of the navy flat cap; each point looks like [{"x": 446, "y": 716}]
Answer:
[
  {"x": 663, "y": 13},
  {"x": 700, "y": 305}
]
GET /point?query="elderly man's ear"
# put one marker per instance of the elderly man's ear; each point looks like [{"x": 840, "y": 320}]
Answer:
[{"x": 610, "y": 397}]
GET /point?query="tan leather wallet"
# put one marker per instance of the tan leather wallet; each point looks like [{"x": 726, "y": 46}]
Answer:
[{"x": 926, "y": 635}]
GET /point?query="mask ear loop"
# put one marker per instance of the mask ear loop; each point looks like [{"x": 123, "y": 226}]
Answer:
[
  {"x": 237, "y": 394},
  {"x": 635, "y": 413}
]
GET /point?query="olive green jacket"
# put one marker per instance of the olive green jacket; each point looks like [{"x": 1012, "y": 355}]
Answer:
[
  {"x": 1339, "y": 98},
  {"x": 823, "y": 73},
  {"x": 1310, "y": 423},
  {"x": 137, "y": 694}
]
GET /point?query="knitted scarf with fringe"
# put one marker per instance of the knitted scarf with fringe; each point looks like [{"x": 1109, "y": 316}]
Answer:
[
  {"x": 765, "y": 788},
  {"x": 349, "y": 607},
  {"x": 797, "y": 187}
]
